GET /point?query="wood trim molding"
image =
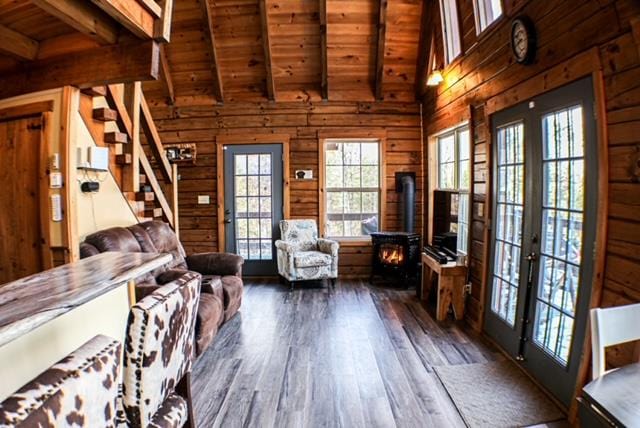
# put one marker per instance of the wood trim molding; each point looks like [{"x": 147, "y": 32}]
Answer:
[
  {"x": 25, "y": 110},
  {"x": 381, "y": 137},
  {"x": 45, "y": 229},
  {"x": 576, "y": 67},
  {"x": 223, "y": 140},
  {"x": 600, "y": 247},
  {"x": 68, "y": 128}
]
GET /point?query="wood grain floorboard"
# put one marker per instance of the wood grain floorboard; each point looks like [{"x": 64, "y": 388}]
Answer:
[{"x": 358, "y": 356}]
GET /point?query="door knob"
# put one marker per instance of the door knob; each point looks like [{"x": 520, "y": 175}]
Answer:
[{"x": 227, "y": 220}]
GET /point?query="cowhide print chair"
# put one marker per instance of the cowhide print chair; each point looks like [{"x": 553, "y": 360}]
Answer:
[
  {"x": 79, "y": 391},
  {"x": 159, "y": 351}
]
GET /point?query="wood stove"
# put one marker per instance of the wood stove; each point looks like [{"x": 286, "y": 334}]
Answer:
[{"x": 396, "y": 255}]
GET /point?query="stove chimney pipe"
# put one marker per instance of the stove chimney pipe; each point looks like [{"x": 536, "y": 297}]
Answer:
[{"x": 408, "y": 203}]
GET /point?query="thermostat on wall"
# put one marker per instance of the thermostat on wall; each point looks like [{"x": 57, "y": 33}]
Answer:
[{"x": 98, "y": 158}]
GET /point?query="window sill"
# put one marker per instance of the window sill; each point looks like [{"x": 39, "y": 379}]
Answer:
[{"x": 352, "y": 242}]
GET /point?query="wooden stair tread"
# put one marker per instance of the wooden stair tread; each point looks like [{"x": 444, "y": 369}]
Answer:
[
  {"x": 145, "y": 196},
  {"x": 124, "y": 159},
  {"x": 105, "y": 114},
  {"x": 153, "y": 212},
  {"x": 116, "y": 138},
  {"x": 95, "y": 91}
]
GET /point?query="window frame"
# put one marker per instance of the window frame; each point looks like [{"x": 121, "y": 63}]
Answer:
[
  {"x": 434, "y": 176},
  {"x": 379, "y": 138},
  {"x": 477, "y": 17},
  {"x": 448, "y": 58}
]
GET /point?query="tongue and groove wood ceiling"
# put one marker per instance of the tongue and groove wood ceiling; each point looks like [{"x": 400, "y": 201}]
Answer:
[{"x": 290, "y": 50}]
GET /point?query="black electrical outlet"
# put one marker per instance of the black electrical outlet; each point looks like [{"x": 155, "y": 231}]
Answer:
[{"x": 90, "y": 187}]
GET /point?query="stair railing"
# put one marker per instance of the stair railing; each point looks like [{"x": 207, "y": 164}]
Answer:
[{"x": 135, "y": 117}]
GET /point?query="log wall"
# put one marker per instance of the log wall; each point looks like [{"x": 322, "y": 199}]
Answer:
[
  {"x": 302, "y": 121},
  {"x": 575, "y": 38}
]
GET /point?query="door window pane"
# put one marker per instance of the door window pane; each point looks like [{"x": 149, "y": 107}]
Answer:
[
  {"x": 562, "y": 227},
  {"x": 253, "y": 205},
  {"x": 509, "y": 220}
]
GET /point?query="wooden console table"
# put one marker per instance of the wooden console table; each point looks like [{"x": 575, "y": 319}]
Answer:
[
  {"x": 46, "y": 316},
  {"x": 451, "y": 281}
]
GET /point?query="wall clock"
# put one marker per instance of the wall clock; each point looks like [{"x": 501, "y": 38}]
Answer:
[{"x": 523, "y": 40}]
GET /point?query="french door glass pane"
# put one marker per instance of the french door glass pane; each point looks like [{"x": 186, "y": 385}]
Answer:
[
  {"x": 253, "y": 203},
  {"x": 509, "y": 219},
  {"x": 562, "y": 227}
]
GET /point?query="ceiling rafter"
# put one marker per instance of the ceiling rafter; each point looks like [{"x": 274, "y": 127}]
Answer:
[
  {"x": 382, "y": 30},
  {"x": 211, "y": 41},
  {"x": 17, "y": 44},
  {"x": 266, "y": 43},
  {"x": 425, "y": 62},
  {"x": 166, "y": 75},
  {"x": 84, "y": 17},
  {"x": 324, "y": 85}
]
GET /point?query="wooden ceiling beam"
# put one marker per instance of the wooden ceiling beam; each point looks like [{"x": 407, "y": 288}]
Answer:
[
  {"x": 424, "y": 57},
  {"x": 131, "y": 15},
  {"x": 324, "y": 61},
  {"x": 382, "y": 30},
  {"x": 120, "y": 63},
  {"x": 166, "y": 76},
  {"x": 266, "y": 44},
  {"x": 84, "y": 17},
  {"x": 17, "y": 44},
  {"x": 211, "y": 41}
]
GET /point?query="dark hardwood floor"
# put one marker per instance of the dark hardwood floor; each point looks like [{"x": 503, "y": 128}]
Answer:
[{"x": 358, "y": 356}]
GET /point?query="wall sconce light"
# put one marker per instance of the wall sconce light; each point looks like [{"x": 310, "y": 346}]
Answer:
[{"x": 435, "y": 78}]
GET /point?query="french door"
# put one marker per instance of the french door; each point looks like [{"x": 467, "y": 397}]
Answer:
[
  {"x": 544, "y": 208},
  {"x": 253, "y": 185}
]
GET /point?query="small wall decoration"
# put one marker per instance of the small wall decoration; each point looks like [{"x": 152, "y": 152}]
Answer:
[
  {"x": 181, "y": 153},
  {"x": 304, "y": 174}
]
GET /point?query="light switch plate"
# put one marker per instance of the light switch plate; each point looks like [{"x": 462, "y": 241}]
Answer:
[
  {"x": 55, "y": 180},
  {"x": 204, "y": 200}
]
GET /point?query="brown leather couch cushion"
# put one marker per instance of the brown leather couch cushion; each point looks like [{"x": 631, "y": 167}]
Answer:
[
  {"x": 232, "y": 290},
  {"x": 212, "y": 284},
  {"x": 165, "y": 241},
  {"x": 210, "y": 316},
  {"x": 114, "y": 239}
]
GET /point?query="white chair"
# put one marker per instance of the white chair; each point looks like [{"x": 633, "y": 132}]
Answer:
[
  {"x": 612, "y": 326},
  {"x": 303, "y": 256}
]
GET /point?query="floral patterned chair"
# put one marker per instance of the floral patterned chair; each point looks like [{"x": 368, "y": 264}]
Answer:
[{"x": 302, "y": 256}]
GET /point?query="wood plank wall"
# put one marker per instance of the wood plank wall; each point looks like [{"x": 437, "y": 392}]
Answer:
[
  {"x": 574, "y": 37},
  {"x": 302, "y": 121}
]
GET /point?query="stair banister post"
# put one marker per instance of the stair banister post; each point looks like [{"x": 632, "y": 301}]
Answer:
[
  {"x": 131, "y": 172},
  {"x": 174, "y": 199}
]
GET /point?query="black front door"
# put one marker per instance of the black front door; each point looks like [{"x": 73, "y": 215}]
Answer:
[
  {"x": 253, "y": 180},
  {"x": 544, "y": 210}
]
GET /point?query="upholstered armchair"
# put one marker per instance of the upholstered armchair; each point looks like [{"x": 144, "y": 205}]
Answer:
[{"x": 302, "y": 256}]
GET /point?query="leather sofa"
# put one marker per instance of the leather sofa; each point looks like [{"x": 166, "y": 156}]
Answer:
[{"x": 221, "y": 288}]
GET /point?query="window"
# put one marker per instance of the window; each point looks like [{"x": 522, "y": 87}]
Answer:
[
  {"x": 454, "y": 173},
  {"x": 486, "y": 11},
  {"x": 352, "y": 188},
  {"x": 450, "y": 29}
]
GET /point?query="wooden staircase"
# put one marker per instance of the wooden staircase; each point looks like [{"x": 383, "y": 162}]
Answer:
[{"x": 116, "y": 115}]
